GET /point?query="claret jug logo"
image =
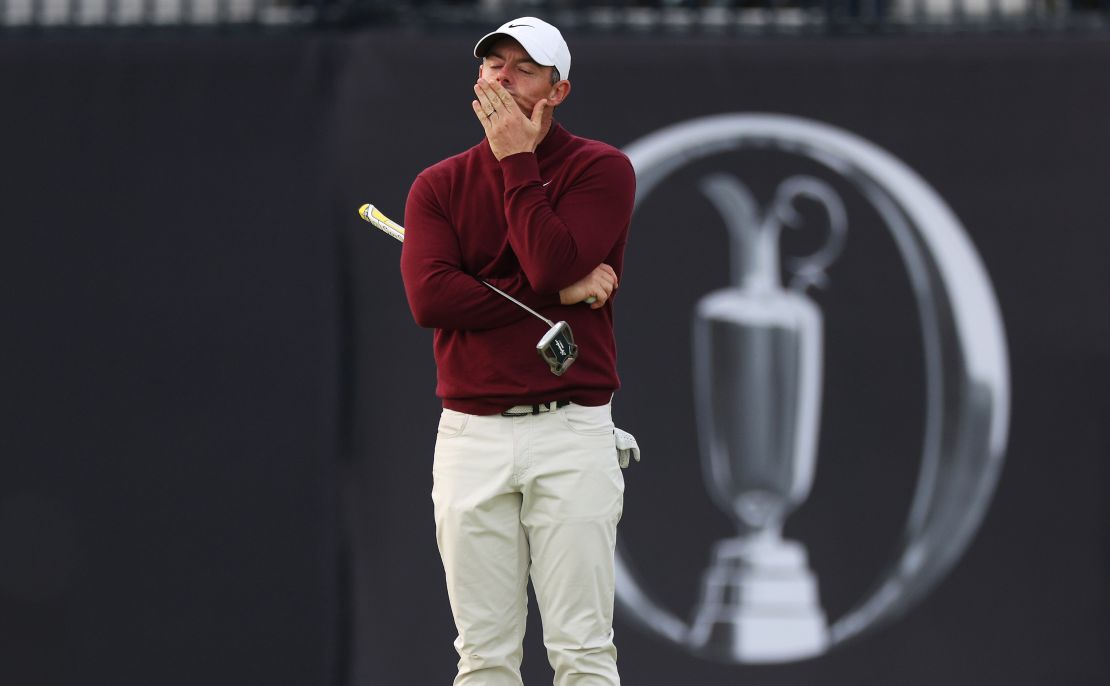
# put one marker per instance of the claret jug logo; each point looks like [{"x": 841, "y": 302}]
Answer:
[{"x": 758, "y": 369}]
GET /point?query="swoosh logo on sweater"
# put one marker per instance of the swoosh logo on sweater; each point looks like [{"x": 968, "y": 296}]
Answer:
[{"x": 547, "y": 182}]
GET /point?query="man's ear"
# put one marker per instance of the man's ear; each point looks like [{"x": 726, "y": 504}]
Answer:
[{"x": 559, "y": 93}]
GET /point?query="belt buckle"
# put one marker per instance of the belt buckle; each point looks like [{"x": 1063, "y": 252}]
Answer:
[
  {"x": 550, "y": 406},
  {"x": 537, "y": 408}
]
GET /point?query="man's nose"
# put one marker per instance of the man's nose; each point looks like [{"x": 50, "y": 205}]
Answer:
[{"x": 500, "y": 76}]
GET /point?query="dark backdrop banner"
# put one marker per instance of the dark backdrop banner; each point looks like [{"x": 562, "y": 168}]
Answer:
[
  {"x": 219, "y": 416},
  {"x": 171, "y": 362}
]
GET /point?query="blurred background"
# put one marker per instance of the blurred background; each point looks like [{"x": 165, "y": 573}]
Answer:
[{"x": 218, "y": 416}]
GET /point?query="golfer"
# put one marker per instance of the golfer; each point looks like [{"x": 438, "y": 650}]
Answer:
[{"x": 526, "y": 477}]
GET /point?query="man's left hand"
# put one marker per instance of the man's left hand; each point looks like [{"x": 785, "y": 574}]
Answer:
[{"x": 509, "y": 131}]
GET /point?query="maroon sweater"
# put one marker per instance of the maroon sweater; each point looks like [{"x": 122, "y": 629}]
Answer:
[{"x": 531, "y": 224}]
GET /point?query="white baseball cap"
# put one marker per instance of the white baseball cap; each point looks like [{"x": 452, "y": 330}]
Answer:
[{"x": 540, "y": 40}]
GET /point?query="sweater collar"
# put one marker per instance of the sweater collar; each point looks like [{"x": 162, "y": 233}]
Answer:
[{"x": 555, "y": 138}]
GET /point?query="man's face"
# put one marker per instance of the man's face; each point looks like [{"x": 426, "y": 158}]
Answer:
[{"x": 528, "y": 82}]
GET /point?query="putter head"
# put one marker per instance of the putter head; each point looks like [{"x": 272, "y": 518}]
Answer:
[{"x": 557, "y": 348}]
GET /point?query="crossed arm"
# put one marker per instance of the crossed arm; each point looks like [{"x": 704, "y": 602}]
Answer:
[{"x": 443, "y": 295}]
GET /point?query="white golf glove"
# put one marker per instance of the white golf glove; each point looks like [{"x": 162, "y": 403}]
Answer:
[{"x": 626, "y": 447}]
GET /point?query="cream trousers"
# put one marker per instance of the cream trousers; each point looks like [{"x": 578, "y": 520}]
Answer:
[{"x": 536, "y": 495}]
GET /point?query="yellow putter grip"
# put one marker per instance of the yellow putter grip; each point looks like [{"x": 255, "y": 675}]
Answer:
[
  {"x": 373, "y": 215},
  {"x": 377, "y": 214}
]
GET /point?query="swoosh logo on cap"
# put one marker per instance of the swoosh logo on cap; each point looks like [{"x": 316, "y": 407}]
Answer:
[{"x": 513, "y": 26}]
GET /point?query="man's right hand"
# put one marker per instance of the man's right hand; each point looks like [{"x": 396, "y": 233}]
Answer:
[{"x": 600, "y": 284}]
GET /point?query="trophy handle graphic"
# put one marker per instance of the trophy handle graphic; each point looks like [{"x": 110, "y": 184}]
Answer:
[{"x": 967, "y": 393}]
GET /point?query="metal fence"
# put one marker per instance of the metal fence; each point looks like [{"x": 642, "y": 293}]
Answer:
[{"x": 783, "y": 17}]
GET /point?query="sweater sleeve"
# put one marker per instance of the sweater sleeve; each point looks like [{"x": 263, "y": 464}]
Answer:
[
  {"x": 440, "y": 294},
  {"x": 556, "y": 249}
]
